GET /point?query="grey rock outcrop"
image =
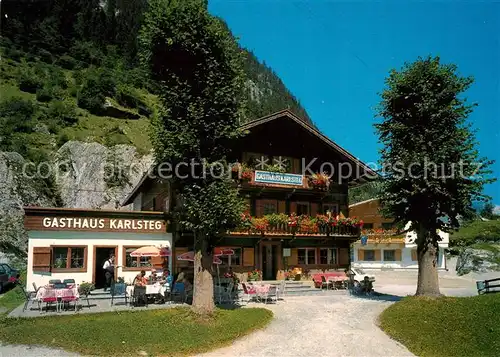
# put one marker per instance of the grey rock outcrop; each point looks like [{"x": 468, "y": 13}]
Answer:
[
  {"x": 472, "y": 260},
  {"x": 18, "y": 188},
  {"x": 91, "y": 175},
  {"x": 87, "y": 175}
]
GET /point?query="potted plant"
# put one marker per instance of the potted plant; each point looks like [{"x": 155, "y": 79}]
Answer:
[
  {"x": 319, "y": 181},
  {"x": 254, "y": 275},
  {"x": 260, "y": 224},
  {"x": 85, "y": 288}
]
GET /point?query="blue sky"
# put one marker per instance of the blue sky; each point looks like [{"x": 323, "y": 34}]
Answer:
[{"x": 334, "y": 56}]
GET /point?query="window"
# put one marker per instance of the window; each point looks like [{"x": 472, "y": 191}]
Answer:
[
  {"x": 69, "y": 258},
  {"x": 328, "y": 256},
  {"x": 306, "y": 256},
  {"x": 368, "y": 225},
  {"x": 302, "y": 208},
  {"x": 232, "y": 260},
  {"x": 389, "y": 255},
  {"x": 369, "y": 255},
  {"x": 135, "y": 262},
  {"x": 387, "y": 225},
  {"x": 269, "y": 208},
  {"x": 332, "y": 208}
]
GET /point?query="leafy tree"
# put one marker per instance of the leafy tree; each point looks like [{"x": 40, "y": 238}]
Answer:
[
  {"x": 365, "y": 192},
  {"x": 432, "y": 169},
  {"x": 197, "y": 62},
  {"x": 487, "y": 210}
]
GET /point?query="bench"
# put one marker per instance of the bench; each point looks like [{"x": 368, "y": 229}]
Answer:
[{"x": 488, "y": 286}]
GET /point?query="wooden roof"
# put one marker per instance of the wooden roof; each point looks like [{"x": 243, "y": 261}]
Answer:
[{"x": 367, "y": 174}]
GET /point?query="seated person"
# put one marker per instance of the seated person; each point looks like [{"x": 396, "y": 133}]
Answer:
[
  {"x": 140, "y": 279},
  {"x": 188, "y": 287},
  {"x": 168, "y": 278},
  {"x": 154, "y": 276}
]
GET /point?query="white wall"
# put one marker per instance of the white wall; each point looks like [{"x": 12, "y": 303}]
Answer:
[
  {"x": 406, "y": 261},
  {"x": 47, "y": 239}
]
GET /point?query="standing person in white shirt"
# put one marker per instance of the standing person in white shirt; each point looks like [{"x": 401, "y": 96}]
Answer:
[{"x": 109, "y": 271}]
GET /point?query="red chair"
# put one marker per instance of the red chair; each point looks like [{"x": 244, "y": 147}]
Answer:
[
  {"x": 49, "y": 296},
  {"x": 250, "y": 293},
  {"x": 69, "y": 295}
]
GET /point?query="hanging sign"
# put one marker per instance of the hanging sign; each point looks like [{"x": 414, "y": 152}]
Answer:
[{"x": 278, "y": 178}]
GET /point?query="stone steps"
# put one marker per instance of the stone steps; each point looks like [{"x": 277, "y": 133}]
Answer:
[{"x": 292, "y": 288}]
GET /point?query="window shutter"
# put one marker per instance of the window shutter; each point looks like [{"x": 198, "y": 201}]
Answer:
[
  {"x": 314, "y": 209},
  {"x": 361, "y": 254},
  {"x": 42, "y": 256},
  {"x": 281, "y": 207},
  {"x": 259, "y": 208},
  {"x": 377, "y": 255},
  {"x": 293, "y": 207},
  {"x": 397, "y": 255},
  {"x": 343, "y": 256},
  {"x": 293, "y": 259},
  {"x": 248, "y": 257},
  {"x": 414, "y": 255}
]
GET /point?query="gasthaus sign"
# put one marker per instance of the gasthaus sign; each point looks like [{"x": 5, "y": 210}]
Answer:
[{"x": 96, "y": 224}]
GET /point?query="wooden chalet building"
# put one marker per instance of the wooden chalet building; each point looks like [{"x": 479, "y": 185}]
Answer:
[{"x": 293, "y": 215}]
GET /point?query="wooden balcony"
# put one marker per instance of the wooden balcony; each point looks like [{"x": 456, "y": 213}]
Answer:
[
  {"x": 383, "y": 236},
  {"x": 311, "y": 231}
]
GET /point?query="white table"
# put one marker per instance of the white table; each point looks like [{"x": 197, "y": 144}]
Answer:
[{"x": 153, "y": 289}]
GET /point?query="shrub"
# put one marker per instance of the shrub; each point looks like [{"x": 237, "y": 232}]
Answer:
[
  {"x": 29, "y": 81},
  {"x": 67, "y": 62},
  {"x": 16, "y": 115},
  {"x": 47, "y": 93},
  {"x": 62, "y": 138},
  {"x": 87, "y": 52},
  {"x": 89, "y": 98},
  {"x": 128, "y": 96},
  {"x": 63, "y": 112},
  {"x": 45, "y": 55}
]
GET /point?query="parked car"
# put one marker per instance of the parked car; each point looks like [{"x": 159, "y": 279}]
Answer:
[
  {"x": 8, "y": 276},
  {"x": 359, "y": 275}
]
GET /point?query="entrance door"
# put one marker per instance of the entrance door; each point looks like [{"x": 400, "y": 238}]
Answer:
[
  {"x": 100, "y": 256},
  {"x": 269, "y": 254}
]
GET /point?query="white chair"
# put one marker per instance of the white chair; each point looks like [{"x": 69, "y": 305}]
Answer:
[
  {"x": 272, "y": 294},
  {"x": 281, "y": 290}
]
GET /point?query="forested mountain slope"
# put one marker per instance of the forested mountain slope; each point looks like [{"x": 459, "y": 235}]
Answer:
[{"x": 74, "y": 96}]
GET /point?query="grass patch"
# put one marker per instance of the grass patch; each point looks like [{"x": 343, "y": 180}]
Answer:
[
  {"x": 446, "y": 326},
  {"x": 168, "y": 332},
  {"x": 11, "y": 299}
]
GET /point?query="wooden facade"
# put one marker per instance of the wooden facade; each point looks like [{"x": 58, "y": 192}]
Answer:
[{"x": 302, "y": 150}]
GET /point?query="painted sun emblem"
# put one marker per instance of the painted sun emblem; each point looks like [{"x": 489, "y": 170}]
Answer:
[
  {"x": 281, "y": 162},
  {"x": 261, "y": 163}
]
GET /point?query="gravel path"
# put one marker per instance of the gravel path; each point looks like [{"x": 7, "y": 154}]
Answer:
[
  {"x": 324, "y": 325},
  {"x": 23, "y": 351}
]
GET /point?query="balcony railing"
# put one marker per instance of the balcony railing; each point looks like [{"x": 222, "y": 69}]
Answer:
[
  {"x": 387, "y": 236},
  {"x": 293, "y": 225},
  {"x": 294, "y": 231}
]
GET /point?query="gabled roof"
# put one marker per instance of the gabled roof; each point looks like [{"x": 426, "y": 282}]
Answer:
[
  {"x": 363, "y": 202},
  {"x": 368, "y": 173},
  {"x": 289, "y": 114}
]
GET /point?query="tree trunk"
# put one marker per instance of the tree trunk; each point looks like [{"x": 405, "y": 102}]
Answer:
[
  {"x": 428, "y": 281},
  {"x": 203, "y": 287}
]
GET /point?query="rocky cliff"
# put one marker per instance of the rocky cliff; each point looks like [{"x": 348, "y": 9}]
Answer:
[{"x": 86, "y": 175}]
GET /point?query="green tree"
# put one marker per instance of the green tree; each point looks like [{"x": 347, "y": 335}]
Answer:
[
  {"x": 487, "y": 210},
  {"x": 197, "y": 62},
  {"x": 433, "y": 171}
]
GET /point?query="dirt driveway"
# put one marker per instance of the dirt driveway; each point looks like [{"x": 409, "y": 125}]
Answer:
[{"x": 325, "y": 325}]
